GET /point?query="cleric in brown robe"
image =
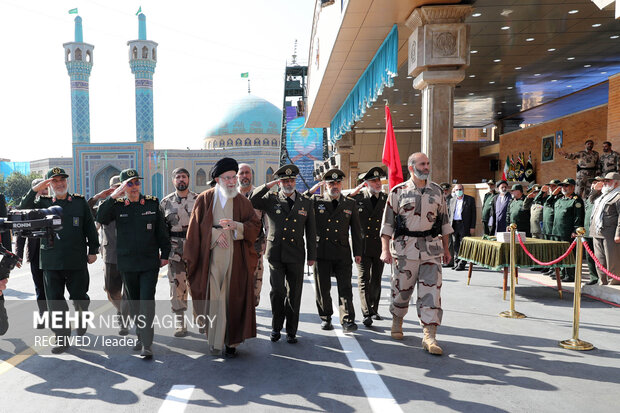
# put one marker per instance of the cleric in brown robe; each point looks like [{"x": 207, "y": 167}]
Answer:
[{"x": 220, "y": 257}]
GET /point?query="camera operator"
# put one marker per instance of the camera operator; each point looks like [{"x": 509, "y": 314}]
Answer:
[
  {"x": 32, "y": 255},
  {"x": 64, "y": 261}
]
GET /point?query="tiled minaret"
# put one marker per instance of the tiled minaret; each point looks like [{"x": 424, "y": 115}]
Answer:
[{"x": 79, "y": 62}]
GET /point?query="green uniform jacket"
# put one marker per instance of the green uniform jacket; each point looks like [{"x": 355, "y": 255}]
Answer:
[
  {"x": 370, "y": 221},
  {"x": 588, "y": 214},
  {"x": 519, "y": 213},
  {"x": 487, "y": 206},
  {"x": 548, "y": 203},
  {"x": 285, "y": 241},
  {"x": 567, "y": 216},
  {"x": 332, "y": 228},
  {"x": 68, "y": 251},
  {"x": 141, "y": 232}
]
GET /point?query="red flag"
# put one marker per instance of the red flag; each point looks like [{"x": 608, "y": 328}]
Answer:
[{"x": 391, "y": 158}]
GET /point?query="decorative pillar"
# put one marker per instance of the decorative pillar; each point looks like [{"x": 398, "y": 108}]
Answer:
[
  {"x": 79, "y": 62},
  {"x": 438, "y": 56},
  {"x": 344, "y": 148},
  {"x": 142, "y": 60}
]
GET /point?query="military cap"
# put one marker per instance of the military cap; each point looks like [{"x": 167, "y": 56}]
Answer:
[
  {"x": 490, "y": 182},
  {"x": 615, "y": 176},
  {"x": 501, "y": 181},
  {"x": 373, "y": 173},
  {"x": 224, "y": 165},
  {"x": 129, "y": 174},
  {"x": 180, "y": 170},
  {"x": 333, "y": 175},
  {"x": 533, "y": 187},
  {"x": 115, "y": 180},
  {"x": 56, "y": 171},
  {"x": 568, "y": 181},
  {"x": 289, "y": 171},
  {"x": 517, "y": 187},
  {"x": 554, "y": 182},
  {"x": 444, "y": 185}
]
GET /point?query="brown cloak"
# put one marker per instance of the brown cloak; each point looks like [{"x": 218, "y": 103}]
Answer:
[{"x": 196, "y": 253}]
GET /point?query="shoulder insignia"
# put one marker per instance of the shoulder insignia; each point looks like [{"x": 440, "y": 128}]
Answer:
[
  {"x": 150, "y": 198},
  {"x": 77, "y": 195},
  {"x": 120, "y": 200},
  {"x": 578, "y": 205},
  {"x": 575, "y": 197}
]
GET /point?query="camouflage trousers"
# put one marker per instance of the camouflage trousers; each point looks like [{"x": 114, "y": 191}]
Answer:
[
  {"x": 426, "y": 274},
  {"x": 583, "y": 181},
  {"x": 178, "y": 285}
]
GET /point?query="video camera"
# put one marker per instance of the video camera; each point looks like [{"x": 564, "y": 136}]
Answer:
[{"x": 36, "y": 223}]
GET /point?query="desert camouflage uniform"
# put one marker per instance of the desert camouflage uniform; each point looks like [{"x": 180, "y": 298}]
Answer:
[
  {"x": 177, "y": 212},
  {"x": 587, "y": 167},
  {"x": 417, "y": 260},
  {"x": 609, "y": 162}
]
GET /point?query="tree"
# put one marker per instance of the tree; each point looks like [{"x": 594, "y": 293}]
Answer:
[{"x": 16, "y": 185}]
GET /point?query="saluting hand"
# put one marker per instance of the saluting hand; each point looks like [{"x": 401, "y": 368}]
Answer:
[
  {"x": 42, "y": 185},
  {"x": 119, "y": 191},
  {"x": 105, "y": 193},
  {"x": 272, "y": 183}
]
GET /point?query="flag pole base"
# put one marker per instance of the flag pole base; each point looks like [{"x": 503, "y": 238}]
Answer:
[
  {"x": 512, "y": 314},
  {"x": 576, "y": 344}
]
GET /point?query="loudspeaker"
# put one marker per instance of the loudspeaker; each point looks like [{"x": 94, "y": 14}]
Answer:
[{"x": 494, "y": 165}]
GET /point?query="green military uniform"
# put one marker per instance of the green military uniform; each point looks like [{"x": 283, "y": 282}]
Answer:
[
  {"x": 333, "y": 222},
  {"x": 141, "y": 234},
  {"x": 288, "y": 219},
  {"x": 370, "y": 270},
  {"x": 519, "y": 211},
  {"x": 64, "y": 261},
  {"x": 487, "y": 206},
  {"x": 568, "y": 213},
  {"x": 548, "y": 203}
]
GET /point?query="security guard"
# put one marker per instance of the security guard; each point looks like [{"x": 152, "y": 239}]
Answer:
[
  {"x": 177, "y": 208},
  {"x": 289, "y": 214},
  {"x": 64, "y": 260},
  {"x": 141, "y": 235},
  {"x": 335, "y": 215},
  {"x": 519, "y": 210},
  {"x": 370, "y": 202},
  {"x": 487, "y": 207},
  {"x": 568, "y": 215}
]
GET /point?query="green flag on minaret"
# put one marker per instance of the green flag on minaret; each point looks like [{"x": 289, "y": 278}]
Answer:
[
  {"x": 246, "y": 74},
  {"x": 139, "y": 10},
  {"x": 73, "y": 11}
]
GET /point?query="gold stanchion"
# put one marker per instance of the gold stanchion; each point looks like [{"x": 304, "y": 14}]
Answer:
[
  {"x": 513, "y": 269},
  {"x": 574, "y": 343}
]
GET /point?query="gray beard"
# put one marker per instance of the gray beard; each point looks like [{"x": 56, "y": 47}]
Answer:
[
  {"x": 373, "y": 191},
  {"x": 54, "y": 193},
  {"x": 332, "y": 194},
  {"x": 245, "y": 185},
  {"x": 288, "y": 191},
  {"x": 419, "y": 174}
]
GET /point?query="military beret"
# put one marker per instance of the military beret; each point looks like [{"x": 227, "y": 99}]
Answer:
[
  {"x": 568, "y": 181},
  {"x": 373, "y": 173},
  {"x": 56, "y": 171},
  {"x": 289, "y": 171},
  {"x": 333, "y": 175},
  {"x": 224, "y": 165},
  {"x": 128, "y": 174},
  {"x": 517, "y": 187},
  {"x": 444, "y": 186},
  {"x": 180, "y": 170},
  {"x": 555, "y": 182}
]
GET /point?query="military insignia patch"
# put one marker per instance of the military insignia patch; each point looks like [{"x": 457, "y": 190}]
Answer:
[
  {"x": 127, "y": 202},
  {"x": 56, "y": 170},
  {"x": 347, "y": 211},
  {"x": 76, "y": 221},
  {"x": 278, "y": 211},
  {"x": 321, "y": 208},
  {"x": 302, "y": 212},
  {"x": 334, "y": 175},
  {"x": 578, "y": 205},
  {"x": 288, "y": 171},
  {"x": 142, "y": 201},
  {"x": 376, "y": 173},
  {"x": 130, "y": 172}
]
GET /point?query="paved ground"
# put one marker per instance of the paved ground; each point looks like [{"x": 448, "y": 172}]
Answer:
[{"x": 491, "y": 364}]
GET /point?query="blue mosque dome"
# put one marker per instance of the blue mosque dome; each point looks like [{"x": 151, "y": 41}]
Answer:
[{"x": 248, "y": 115}]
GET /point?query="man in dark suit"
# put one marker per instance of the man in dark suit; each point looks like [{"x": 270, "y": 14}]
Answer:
[
  {"x": 370, "y": 202},
  {"x": 289, "y": 214},
  {"x": 463, "y": 221}
]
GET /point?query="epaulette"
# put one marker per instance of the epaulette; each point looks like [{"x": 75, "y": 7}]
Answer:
[
  {"x": 45, "y": 196},
  {"x": 77, "y": 195},
  {"x": 575, "y": 197},
  {"x": 121, "y": 200},
  {"x": 151, "y": 198}
]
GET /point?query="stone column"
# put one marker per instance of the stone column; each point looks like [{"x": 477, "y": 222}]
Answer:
[
  {"x": 438, "y": 56},
  {"x": 344, "y": 148}
]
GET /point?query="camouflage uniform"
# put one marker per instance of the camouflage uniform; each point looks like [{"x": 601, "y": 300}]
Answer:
[
  {"x": 609, "y": 162},
  {"x": 417, "y": 260},
  {"x": 587, "y": 166},
  {"x": 177, "y": 212}
]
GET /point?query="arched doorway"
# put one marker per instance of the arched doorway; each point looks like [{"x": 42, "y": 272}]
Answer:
[{"x": 102, "y": 179}]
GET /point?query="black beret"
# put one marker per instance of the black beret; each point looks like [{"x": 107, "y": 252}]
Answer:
[{"x": 224, "y": 165}]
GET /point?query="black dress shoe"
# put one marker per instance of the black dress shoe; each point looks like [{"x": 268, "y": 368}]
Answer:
[
  {"x": 291, "y": 339},
  {"x": 81, "y": 331},
  {"x": 147, "y": 353},
  {"x": 460, "y": 268},
  {"x": 349, "y": 327},
  {"x": 137, "y": 346},
  {"x": 327, "y": 325},
  {"x": 62, "y": 344},
  {"x": 367, "y": 321},
  {"x": 275, "y": 335},
  {"x": 123, "y": 331},
  {"x": 377, "y": 317},
  {"x": 230, "y": 352},
  {"x": 592, "y": 282}
]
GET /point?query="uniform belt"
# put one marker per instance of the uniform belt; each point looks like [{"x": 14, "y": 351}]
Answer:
[
  {"x": 590, "y": 168},
  {"x": 182, "y": 234},
  {"x": 418, "y": 233}
]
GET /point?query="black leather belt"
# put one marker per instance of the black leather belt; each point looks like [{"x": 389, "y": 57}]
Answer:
[
  {"x": 182, "y": 234},
  {"x": 418, "y": 233},
  {"x": 590, "y": 168}
]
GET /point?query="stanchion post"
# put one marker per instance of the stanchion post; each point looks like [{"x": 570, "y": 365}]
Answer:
[
  {"x": 575, "y": 343},
  {"x": 512, "y": 313}
]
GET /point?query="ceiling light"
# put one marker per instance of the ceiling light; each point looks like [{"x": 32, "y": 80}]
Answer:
[
  {"x": 505, "y": 27},
  {"x": 361, "y": 121},
  {"x": 518, "y": 106},
  {"x": 615, "y": 36},
  {"x": 603, "y": 73},
  {"x": 491, "y": 82},
  {"x": 573, "y": 12},
  {"x": 587, "y": 65},
  {"x": 536, "y": 74},
  {"x": 530, "y": 39},
  {"x": 473, "y": 52},
  {"x": 509, "y": 88},
  {"x": 394, "y": 111},
  {"x": 506, "y": 12},
  {"x": 472, "y": 75},
  {"x": 378, "y": 123},
  {"x": 411, "y": 114},
  {"x": 417, "y": 123},
  {"x": 518, "y": 68},
  {"x": 596, "y": 25},
  {"x": 570, "y": 58},
  {"x": 569, "y": 86},
  {"x": 476, "y": 15},
  {"x": 417, "y": 94},
  {"x": 405, "y": 103},
  {"x": 401, "y": 120},
  {"x": 499, "y": 113},
  {"x": 375, "y": 108},
  {"x": 497, "y": 60},
  {"x": 503, "y": 101},
  {"x": 551, "y": 50},
  {"x": 554, "y": 80},
  {"x": 471, "y": 93}
]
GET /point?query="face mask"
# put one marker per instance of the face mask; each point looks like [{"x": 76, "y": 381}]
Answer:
[{"x": 459, "y": 193}]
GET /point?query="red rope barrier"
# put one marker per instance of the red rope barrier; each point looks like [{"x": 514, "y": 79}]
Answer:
[
  {"x": 598, "y": 263},
  {"x": 560, "y": 258}
]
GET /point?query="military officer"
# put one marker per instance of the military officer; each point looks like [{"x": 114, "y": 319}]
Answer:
[
  {"x": 609, "y": 161},
  {"x": 370, "y": 203},
  {"x": 487, "y": 207},
  {"x": 141, "y": 235},
  {"x": 547, "y": 196},
  {"x": 415, "y": 216},
  {"x": 177, "y": 208},
  {"x": 589, "y": 206},
  {"x": 519, "y": 210},
  {"x": 568, "y": 215},
  {"x": 64, "y": 260},
  {"x": 335, "y": 215},
  {"x": 536, "y": 211},
  {"x": 587, "y": 166},
  {"x": 289, "y": 215}
]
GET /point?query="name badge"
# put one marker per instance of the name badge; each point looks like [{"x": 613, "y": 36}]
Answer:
[
  {"x": 347, "y": 211},
  {"x": 148, "y": 213},
  {"x": 123, "y": 215},
  {"x": 76, "y": 221},
  {"x": 149, "y": 226}
]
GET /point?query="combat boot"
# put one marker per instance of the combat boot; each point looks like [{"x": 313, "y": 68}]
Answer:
[
  {"x": 397, "y": 327},
  {"x": 179, "y": 322},
  {"x": 429, "y": 343}
]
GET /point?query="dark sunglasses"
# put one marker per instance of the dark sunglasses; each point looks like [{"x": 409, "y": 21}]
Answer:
[{"x": 130, "y": 184}]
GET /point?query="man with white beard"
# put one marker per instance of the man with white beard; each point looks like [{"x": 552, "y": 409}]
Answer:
[
  {"x": 220, "y": 257},
  {"x": 289, "y": 214}
]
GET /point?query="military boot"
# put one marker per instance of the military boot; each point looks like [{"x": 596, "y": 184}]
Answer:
[
  {"x": 397, "y": 327},
  {"x": 179, "y": 322},
  {"x": 429, "y": 343}
]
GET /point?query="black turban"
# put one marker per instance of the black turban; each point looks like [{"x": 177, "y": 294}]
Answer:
[{"x": 224, "y": 165}]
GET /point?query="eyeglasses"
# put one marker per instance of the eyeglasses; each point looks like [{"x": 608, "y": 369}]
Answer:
[
  {"x": 228, "y": 178},
  {"x": 130, "y": 184}
]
